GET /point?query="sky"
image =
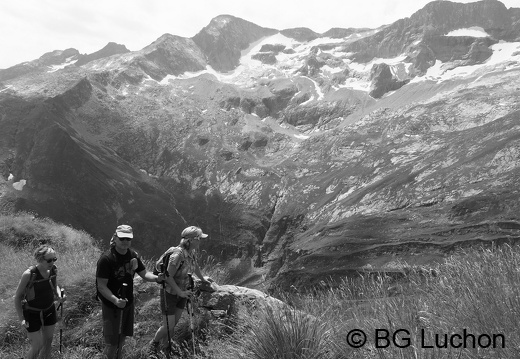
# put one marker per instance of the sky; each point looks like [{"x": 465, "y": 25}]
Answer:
[{"x": 30, "y": 28}]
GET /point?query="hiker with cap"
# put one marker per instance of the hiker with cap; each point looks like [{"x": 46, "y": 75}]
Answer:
[
  {"x": 34, "y": 301},
  {"x": 115, "y": 272},
  {"x": 178, "y": 264}
]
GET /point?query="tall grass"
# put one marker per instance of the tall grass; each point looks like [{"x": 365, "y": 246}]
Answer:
[{"x": 476, "y": 291}]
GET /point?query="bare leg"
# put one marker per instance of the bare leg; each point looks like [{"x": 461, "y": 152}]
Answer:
[
  {"x": 110, "y": 350},
  {"x": 36, "y": 340},
  {"x": 161, "y": 333},
  {"x": 47, "y": 335}
]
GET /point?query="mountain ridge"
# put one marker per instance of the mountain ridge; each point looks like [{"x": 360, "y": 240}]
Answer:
[{"x": 302, "y": 156}]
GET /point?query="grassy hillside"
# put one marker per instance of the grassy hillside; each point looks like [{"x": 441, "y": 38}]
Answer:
[{"x": 474, "y": 294}]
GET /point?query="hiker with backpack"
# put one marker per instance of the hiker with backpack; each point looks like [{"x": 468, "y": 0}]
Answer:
[
  {"x": 114, "y": 280},
  {"x": 34, "y": 302},
  {"x": 177, "y": 264}
]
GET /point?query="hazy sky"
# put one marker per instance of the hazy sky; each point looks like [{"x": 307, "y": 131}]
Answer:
[{"x": 30, "y": 28}]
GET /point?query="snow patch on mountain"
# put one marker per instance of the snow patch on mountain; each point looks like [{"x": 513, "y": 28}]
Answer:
[
  {"x": 19, "y": 185},
  {"x": 69, "y": 61},
  {"x": 474, "y": 31},
  {"x": 506, "y": 55}
]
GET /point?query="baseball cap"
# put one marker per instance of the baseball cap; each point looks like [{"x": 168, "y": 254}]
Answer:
[
  {"x": 124, "y": 231},
  {"x": 193, "y": 231}
]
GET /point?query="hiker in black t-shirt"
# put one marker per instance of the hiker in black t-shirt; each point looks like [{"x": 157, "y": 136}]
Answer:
[
  {"x": 116, "y": 267},
  {"x": 34, "y": 302}
]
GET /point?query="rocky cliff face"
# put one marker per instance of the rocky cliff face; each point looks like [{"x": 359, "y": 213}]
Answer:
[
  {"x": 302, "y": 155},
  {"x": 225, "y": 37}
]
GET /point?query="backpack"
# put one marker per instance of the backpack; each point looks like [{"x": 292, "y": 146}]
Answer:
[
  {"x": 113, "y": 262},
  {"x": 29, "y": 293},
  {"x": 161, "y": 265}
]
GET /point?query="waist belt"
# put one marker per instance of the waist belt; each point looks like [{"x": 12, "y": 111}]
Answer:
[{"x": 33, "y": 309}]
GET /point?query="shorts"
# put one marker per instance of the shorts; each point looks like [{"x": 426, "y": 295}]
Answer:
[
  {"x": 111, "y": 322},
  {"x": 38, "y": 318},
  {"x": 174, "y": 302}
]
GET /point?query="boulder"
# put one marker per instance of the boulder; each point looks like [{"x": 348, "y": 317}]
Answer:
[{"x": 221, "y": 300}]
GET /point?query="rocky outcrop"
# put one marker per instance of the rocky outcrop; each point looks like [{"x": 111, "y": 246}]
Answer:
[
  {"x": 225, "y": 37},
  {"x": 110, "y": 49},
  {"x": 383, "y": 80},
  {"x": 224, "y": 299},
  {"x": 269, "y": 99},
  {"x": 434, "y": 20},
  {"x": 441, "y": 17},
  {"x": 312, "y": 65},
  {"x": 44, "y": 63},
  {"x": 339, "y": 33},
  {"x": 301, "y": 34},
  {"x": 170, "y": 55},
  {"x": 268, "y": 58}
]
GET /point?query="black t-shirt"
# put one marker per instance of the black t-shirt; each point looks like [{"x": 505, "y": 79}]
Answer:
[{"x": 117, "y": 268}]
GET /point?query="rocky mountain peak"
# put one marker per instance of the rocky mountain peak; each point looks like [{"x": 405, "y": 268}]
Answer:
[
  {"x": 225, "y": 37},
  {"x": 444, "y": 16},
  {"x": 110, "y": 49}
]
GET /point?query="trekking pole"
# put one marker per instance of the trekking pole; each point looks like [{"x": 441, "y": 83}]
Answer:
[
  {"x": 192, "y": 327},
  {"x": 189, "y": 307},
  {"x": 61, "y": 315},
  {"x": 166, "y": 312},
  {"x": 120, "y": 331}
]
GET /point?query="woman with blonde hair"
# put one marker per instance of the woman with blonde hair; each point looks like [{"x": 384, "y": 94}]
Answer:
[{"x": 34, "y": 301}]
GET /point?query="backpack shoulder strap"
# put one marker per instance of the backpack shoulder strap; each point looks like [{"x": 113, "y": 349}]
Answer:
[
  {"x": 133, "y": 253},
  {"x": 32, "y": 278},
  {"x": 165, "y": 259}
]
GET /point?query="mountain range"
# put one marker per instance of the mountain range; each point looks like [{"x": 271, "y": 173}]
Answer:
[{"x": 303, "y": 155}]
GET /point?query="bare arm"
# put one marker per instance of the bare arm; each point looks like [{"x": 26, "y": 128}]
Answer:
[
  {"x": 198, "y": 273},
  {"x": 19, "y": 295},
  {"x": 107, "y": 293},
  {"x": 148, "y": 276}
]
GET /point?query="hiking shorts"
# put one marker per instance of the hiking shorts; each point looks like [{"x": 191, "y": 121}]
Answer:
[
  {"x": 38, "y": 318},
  {"x": 112, "y": 321},
  {"x": 173, "y": 301}
]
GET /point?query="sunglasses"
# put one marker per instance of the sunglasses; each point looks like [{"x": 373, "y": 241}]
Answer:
[
  {"x": 125, "y": 239},
  {"x": 51, "y": 260}
]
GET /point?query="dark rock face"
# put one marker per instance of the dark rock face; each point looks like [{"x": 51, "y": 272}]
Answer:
[
  {"x": 77, "y": 183},
  {"x": 383, "y": 81},
  {"x": 312, "y": 66},
  {"x": 170, "y": 55},
  {"x": 433, "y": 21},
  {"x": 224, "y": 38},
  {"x": 302, "y": 34},
  {"x": 268, "y": 58},
  {"x": 444, "y": 16},
  {"x": 274, "y": 48},
  {"x": 110, "y": 49}
]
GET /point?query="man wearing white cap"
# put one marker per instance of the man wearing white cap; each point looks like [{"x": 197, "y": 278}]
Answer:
[{"x": 114, "y": 278}]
